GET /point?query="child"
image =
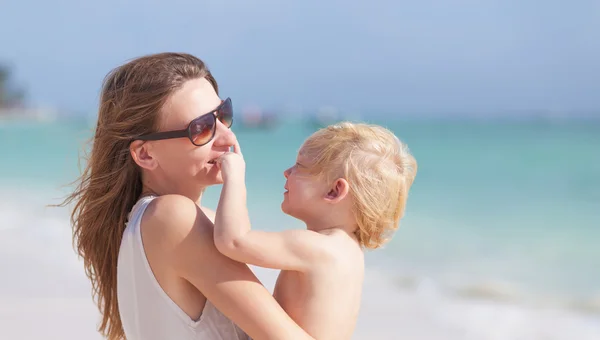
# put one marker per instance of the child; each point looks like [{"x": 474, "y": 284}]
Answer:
[{"x": 349, "y": 185}]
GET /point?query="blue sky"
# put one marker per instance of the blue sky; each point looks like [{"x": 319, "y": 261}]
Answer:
[{"x": 445, "y": 56}]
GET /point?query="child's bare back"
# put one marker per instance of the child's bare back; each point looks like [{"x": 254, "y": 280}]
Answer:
[{"x": 325, "y": 300}]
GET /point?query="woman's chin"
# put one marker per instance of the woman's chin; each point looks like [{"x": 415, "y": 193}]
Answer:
[
  {"x": 210, "y": 177},
  {"x": 218, "y": 178},
  {"x": 284, "y": 207},
  {"x": 214, "y": 175}
]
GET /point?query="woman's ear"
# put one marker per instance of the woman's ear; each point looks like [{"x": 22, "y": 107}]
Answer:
[
  {"x": 141, "y": 152},
  {"x": 338, "y": 191}
]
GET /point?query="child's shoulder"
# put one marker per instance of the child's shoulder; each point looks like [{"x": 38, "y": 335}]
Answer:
[{"x": 342, "y": 246}]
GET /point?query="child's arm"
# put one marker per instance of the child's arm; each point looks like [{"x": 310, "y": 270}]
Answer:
[{"x": 289, "y": 250}]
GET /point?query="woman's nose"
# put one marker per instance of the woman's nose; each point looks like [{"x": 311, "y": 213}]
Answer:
[
  {"x": 286, "y": 173},
  {"x": 224, "y": 136}
]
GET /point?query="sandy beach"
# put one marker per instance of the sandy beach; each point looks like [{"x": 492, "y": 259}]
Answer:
[{"x": 44, "y": 295}]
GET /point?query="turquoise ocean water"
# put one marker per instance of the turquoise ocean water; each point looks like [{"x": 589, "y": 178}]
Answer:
[{"x": 499, "y": 210}]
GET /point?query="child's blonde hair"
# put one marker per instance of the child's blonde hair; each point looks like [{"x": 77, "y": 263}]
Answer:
[{"x": 378, "y": 167}]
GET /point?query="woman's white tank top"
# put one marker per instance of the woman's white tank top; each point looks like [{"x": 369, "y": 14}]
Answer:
[{"x": 147, "y": 312}]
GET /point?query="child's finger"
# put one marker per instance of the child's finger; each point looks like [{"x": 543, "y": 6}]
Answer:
[
  {"x": 236, "y": 148},
  {"x": 219, "y": 161}
]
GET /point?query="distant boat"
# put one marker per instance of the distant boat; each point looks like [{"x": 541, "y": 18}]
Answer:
[
  {"x": 324, "y": 116},
  {"x": 253, "y": 117}
]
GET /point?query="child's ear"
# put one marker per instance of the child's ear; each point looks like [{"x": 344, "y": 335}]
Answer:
[
  {"x": 142, "y": 155},
  {"x": 338, "y": 191}
]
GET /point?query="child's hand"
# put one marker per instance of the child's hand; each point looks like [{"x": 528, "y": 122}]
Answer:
[{"x": 232, "y": 164}]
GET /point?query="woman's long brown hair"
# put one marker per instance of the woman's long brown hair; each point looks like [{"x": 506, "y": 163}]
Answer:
[{"x": 131, "y": 99}]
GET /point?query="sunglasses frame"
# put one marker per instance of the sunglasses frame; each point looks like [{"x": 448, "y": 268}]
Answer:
[{"x": 187, "y": 132}]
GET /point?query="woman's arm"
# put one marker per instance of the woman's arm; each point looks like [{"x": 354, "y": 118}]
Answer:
[{"x": 229, "y": 285}]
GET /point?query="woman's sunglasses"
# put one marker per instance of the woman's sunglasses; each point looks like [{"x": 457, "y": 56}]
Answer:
[{"x": 201, "y": 130}]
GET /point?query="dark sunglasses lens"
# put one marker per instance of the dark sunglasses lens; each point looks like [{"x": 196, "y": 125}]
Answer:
[
  {"x": 202, "y": 129},
  {"x": 225, "y": 113}
]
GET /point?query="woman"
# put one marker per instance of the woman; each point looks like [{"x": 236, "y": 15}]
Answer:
[{"x": 146, "y": 242}]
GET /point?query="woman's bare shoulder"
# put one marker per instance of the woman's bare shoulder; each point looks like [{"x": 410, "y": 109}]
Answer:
[{"x": 171, "y": 220}]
